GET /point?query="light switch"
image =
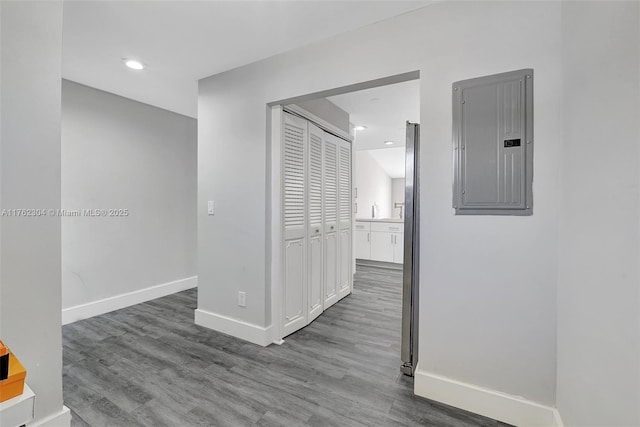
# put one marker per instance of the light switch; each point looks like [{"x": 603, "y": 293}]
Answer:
[{"x": 210, "y": 209}]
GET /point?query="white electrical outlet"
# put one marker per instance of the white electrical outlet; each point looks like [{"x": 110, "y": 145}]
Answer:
[
  {"x": 242, "y": 299},
  {"x": 210, "y": 207}
]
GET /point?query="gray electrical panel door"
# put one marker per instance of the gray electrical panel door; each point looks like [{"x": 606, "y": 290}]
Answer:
[{"x": 493, "y": 144}]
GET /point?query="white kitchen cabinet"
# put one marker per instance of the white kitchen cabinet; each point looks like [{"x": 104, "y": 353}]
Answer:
[
  {"x": 384, "y": 242},
  {"x": 363, "y": 240},
  {"x": 363, "y": 244},
  {"x": 398, "y": 248},
  {"x": 381, "y": 246}
]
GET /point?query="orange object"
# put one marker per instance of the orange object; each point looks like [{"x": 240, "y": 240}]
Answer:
[{"x": 14, "y": 385}]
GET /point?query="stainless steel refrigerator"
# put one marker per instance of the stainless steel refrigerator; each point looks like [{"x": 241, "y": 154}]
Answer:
[{"x": 409, "y": 350}]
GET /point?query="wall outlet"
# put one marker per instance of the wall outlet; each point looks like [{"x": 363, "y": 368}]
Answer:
[{"x": 242, "y": 299}]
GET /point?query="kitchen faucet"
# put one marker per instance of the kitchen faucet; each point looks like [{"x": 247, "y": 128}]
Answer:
[{"x": 399, "y": 206}]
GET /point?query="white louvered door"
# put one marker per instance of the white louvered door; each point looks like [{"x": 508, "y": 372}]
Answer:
[
  {"x": 294, "y": 304},
  {"x": 345, "y": 278},
  {"x": 316, "y": 233},
  {"x": 317, "y": 221},
  {"x": 331, "y": 245}
]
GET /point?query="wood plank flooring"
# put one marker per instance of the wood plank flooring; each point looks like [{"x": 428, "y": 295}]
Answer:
[{"x": 150, "y": 365}]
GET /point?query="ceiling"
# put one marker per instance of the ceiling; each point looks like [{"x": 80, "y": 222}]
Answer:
[
  {"x": 384, "y": 111},
  {"x": 183, "y": 41}
]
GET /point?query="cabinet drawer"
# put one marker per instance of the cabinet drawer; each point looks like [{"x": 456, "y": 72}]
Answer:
[
  {"x": 390, "y": 227},
  {"x": 363, "y": 226}
]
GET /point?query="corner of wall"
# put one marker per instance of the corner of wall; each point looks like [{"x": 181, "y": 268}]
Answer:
[{"x": 262, "y": 336}]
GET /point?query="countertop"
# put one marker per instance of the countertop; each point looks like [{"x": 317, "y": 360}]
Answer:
[{"x": 380, "y": 220}]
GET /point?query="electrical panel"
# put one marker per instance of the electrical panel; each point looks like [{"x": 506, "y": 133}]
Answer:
[{"x": 493, "y": 144}]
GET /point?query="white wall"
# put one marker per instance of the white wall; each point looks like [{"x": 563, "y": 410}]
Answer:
[
  {"x": 598, "y": 290},
  {"x": 122, "y": 154},
  {"x": 397, "y": 196},
  {"x": 488, "y": 284},
  {"x": 374, "y": 186},
  {"x": 328, "y": 111},
  {"x": 31, "y": 36}
]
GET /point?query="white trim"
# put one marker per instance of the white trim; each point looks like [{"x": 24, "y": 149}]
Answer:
[
  {"x": 236, "y": 328},
  {"x": 94, "y": 308},
  {"x": 59, "y": 419},
  {"x": 274, "y": 207},
  {"x": 557, "y": 420},
  {"x": 490, "y": 403}
]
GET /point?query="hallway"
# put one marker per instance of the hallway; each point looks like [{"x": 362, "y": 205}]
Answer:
[{"x": 150, "y": 365}]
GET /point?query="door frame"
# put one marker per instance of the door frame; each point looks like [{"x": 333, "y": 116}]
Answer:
[{"x": 273, "y": 210}]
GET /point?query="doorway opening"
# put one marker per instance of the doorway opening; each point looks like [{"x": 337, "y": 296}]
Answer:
[{"x": 382, "y": 134}]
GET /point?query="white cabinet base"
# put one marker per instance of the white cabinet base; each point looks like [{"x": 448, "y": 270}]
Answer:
[
  {"x": 363, "y": 244},
  {"x": 381, "y": 246},
  {"x": 381, "y": 241}
]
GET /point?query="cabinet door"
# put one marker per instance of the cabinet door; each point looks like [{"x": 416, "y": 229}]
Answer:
[
  {"x": 330, "y": 198},
  {"x": 398, "y": 247},
  {"x": 316, "y": 235},
  {"x": 363, "y": 244},
  {"x": 345, "y": 277},
  {"x": 382, "y": 246},
  {"x": 294, "y": 222}
]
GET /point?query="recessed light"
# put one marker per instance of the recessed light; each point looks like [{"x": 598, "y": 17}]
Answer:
[
  {"x": 360, "y": 127},
  {"x": 389, "y": 142},
  {"x": 133, "y": 64}
]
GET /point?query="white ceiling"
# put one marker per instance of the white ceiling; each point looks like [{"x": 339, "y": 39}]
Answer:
[
  {"x": 183, "y": 41},
  {"x": 384, "y": 111},
  {"x": 391, "y": 160}
]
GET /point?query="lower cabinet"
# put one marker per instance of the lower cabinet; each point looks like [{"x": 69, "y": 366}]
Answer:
[
  {"x": 381, "y": 246},
  {"x": 380, "y": 241},
  {"x": 363, "y": 244},
  {"x": 398, "y": 248}
]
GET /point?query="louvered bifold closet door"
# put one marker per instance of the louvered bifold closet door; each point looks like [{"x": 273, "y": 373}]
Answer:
[
  {"x": 316, "y": 230},
  {"x": 345, "y": 276},
  {"x": 330, "y": 196},
  {"x": 294, "y": 198}
]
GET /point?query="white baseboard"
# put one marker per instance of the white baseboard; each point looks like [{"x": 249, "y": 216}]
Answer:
[
  {"x": 490, "y": 403},
  {"x": 236, "y": 328},
  {"x": 59, "y": 419},
  {"x": 94, "y": 308}
]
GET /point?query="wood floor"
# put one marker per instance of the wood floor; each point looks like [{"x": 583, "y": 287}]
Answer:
[{"x": 149, "y": 365}]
